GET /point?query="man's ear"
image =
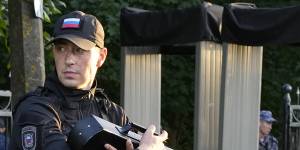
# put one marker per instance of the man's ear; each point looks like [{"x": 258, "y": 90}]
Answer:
[{"x": 102, "y": 57}]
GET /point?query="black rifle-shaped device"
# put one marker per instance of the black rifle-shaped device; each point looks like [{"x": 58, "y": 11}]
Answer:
[{"x": 93, "y": 132}]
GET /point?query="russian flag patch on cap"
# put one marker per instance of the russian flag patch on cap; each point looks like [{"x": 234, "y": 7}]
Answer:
[{"x": 71, "y": 23}]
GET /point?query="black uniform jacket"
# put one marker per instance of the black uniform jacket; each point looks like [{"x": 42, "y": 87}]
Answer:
[{"x": 44, "y": 118}]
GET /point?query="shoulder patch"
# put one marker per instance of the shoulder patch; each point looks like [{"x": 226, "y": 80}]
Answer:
[{"x": 29, "y": 137}]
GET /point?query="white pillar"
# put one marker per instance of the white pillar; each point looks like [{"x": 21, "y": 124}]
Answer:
[
  {"x": 240, "y": 97},
  {"x": 141, "y": 84},
  {"x": 207, "y": 95}
]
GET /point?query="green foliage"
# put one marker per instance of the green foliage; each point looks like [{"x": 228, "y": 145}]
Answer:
[
  {"x": 50, "y": 9},
  {"x": 178, "y": 73},
  {"x": 4, "y": 48}
]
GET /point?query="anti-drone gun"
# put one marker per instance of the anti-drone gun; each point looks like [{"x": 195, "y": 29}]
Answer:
[{"x": 93, "y": 132}]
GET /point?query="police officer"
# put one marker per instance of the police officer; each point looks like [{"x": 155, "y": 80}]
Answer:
[
  {"x": 43, "y": 118},
  {"x": 266, "y": 141}
]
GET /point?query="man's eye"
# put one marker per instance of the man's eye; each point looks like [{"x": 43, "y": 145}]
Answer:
[
  {"x": 79, "y": 51},
  {"x": 60, "y": 49}
]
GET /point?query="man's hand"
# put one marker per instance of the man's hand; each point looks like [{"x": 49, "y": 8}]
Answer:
[{"x": 149, "y": 141}]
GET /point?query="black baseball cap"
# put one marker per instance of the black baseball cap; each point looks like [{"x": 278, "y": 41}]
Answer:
[{"x": 84, "y": 30}]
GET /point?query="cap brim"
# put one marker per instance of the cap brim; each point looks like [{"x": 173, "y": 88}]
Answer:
[{"x": 84, "y": 44}]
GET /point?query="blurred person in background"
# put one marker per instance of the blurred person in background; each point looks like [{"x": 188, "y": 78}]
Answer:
[{"x": 266, "y": 141}]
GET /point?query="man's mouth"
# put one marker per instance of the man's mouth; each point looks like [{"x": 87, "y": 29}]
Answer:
[{"x": 70, "y": 74}]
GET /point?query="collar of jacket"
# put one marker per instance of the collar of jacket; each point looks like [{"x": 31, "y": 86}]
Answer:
[{"x": 53, "y": 84}]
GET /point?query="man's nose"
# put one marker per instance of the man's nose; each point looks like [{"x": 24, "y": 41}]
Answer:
[{"x": 70, "y": 58}]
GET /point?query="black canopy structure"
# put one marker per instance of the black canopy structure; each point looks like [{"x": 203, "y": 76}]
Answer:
[
  {"x": 241, "y": 23},
  {"x": 143, "y": 27},
  {"x": 261, "y": 26}
]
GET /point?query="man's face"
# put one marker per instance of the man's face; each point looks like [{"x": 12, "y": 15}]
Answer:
[
  {"x": 265, "y": 127},
  {"x": 76, "y": 68}
]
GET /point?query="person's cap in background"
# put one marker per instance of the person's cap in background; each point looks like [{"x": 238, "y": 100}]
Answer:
[
  {"x": 82, "y": 29},
  {"x": 266, "y": 115}
]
